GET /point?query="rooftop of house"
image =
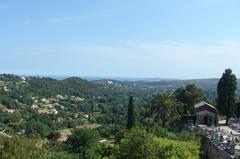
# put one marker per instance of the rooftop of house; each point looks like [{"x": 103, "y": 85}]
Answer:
[{"x": 204, "y": 106}]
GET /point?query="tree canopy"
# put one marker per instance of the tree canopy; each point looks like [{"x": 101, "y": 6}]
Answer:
[
  {"x": 189, "y": 96},
  {"x": 164, "y": 108},
  {"x": 131, "y": 120},
  {"x": 226, "y": 91},
  {"x": 85, "y": 142}
]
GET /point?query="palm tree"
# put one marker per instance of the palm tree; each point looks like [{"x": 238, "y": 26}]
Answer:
[{"x": 163, "y": 107}]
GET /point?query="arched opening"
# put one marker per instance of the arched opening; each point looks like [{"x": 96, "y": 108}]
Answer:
[{"x": 208, "y": 120}]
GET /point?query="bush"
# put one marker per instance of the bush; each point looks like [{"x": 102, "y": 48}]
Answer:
[
  {"x": 139, "y": 144},
  {"x": 54, "y": 136},
  {"x": 85, "y": 142},
  {"x": 22, "y": 148}
]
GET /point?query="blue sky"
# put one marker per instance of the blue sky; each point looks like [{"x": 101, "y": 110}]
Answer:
[{"x": 120, "y": 38}]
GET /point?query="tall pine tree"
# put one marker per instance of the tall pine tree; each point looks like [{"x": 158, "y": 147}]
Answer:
[
  {"x": 131, "y": 121},
  {"x": 226, "y": 91}
]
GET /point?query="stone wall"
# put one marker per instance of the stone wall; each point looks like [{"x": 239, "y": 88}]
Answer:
[{"x": 211, "y": 151}]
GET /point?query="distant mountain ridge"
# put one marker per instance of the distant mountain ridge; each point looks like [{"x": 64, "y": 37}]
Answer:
[{"x": 94, "y": 87}]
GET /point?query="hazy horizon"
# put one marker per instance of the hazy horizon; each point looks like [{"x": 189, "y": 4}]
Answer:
[{"x": 91, "y": 78}]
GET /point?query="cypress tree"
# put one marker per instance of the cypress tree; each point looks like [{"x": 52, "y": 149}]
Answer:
[
  {"x": 131, "y": 121},
  {"x": 226, "y": 91}
]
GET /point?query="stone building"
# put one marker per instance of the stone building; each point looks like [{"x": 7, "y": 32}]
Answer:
[{"x": 205, "y": 113}]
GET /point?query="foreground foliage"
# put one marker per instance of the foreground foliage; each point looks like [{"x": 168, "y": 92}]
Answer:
[
  {"x": 140, "y": 144},
  {"x": 86, "y": 143},
  {"x": 22, "y": 148}
]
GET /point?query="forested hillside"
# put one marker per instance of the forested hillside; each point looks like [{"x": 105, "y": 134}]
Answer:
[
  {"x": 61, "y": 115},
  {"x": 28, "y": 102},
  {"x": 209, "y": 86}
]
